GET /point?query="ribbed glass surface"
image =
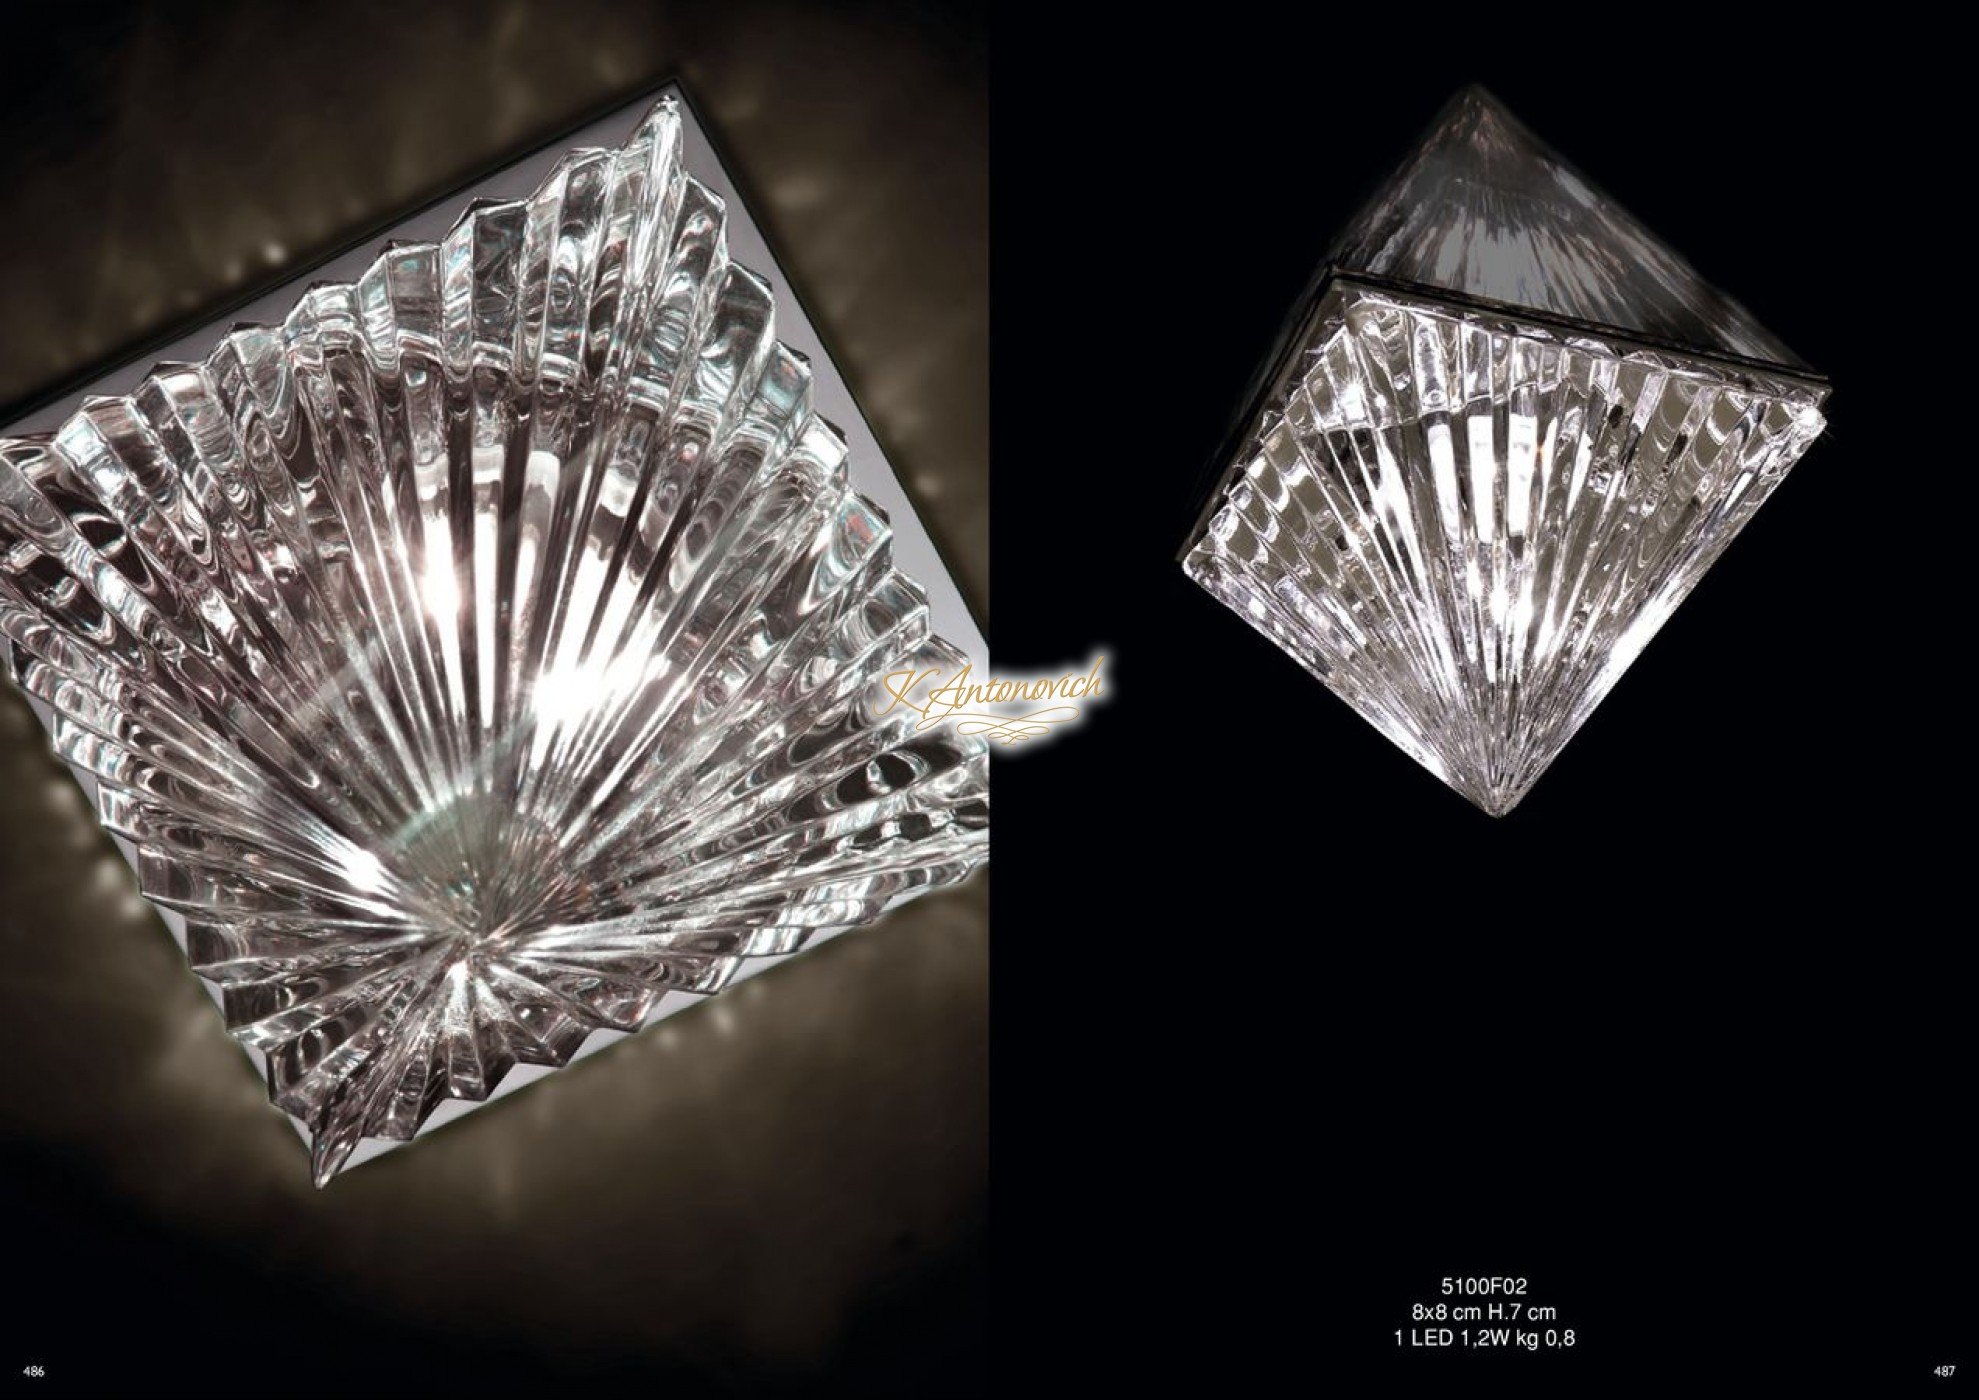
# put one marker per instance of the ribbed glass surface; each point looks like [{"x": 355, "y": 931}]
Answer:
[
  {"x": 1505, "y": 437},
  {"x": 1468, "y": 531},
  {"x": 487, "y": 650}
]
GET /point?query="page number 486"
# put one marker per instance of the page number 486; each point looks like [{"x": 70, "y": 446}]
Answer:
[{"x": 35, "y": 1372}]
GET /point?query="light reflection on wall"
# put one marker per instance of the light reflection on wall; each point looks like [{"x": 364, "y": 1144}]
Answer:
[
  {"x": 749, "y": 1171},
  {"x": 868, "y": 160}
]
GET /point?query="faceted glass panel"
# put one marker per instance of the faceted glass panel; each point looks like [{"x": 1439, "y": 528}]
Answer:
[
  {"x": 1484, "y": 208},
  {"x": 487, "y": 650},
  {"x": 1468, "y": 520}
]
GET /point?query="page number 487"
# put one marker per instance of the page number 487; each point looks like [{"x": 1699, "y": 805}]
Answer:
[{"x": 1943, "y": 1373}]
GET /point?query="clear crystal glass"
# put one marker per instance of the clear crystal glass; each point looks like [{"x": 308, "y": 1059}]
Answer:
[
  {"x": 487, "y": 650},
  {"x": 1504, "y": 437}
]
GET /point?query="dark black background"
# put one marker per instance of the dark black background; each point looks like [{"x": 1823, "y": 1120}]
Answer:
[{"x": 1285, "y": 1031}]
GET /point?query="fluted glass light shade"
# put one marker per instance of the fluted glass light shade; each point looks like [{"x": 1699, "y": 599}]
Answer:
[
  {"x": 1503, "y": 438},
  {"x": 489, "y": 652}
]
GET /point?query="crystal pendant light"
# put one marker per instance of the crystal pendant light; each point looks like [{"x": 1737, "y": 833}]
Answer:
[
  {"x": 485, "y": 652},
  {"x": 1504, "y": 436}
]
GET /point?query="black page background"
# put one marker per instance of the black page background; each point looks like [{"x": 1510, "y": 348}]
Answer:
[{"x": 1285, "y": 1031}]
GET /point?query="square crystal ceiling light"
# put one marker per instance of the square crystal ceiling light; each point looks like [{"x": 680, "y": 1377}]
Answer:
[
  {"x": 478, "y": 652},
  {"x": 1504, "y": 436}
]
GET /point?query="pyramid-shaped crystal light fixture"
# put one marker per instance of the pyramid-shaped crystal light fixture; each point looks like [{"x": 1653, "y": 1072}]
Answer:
[
  {"x": 1502, "y": 439},
  {"x": 478, "y": 650}
]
